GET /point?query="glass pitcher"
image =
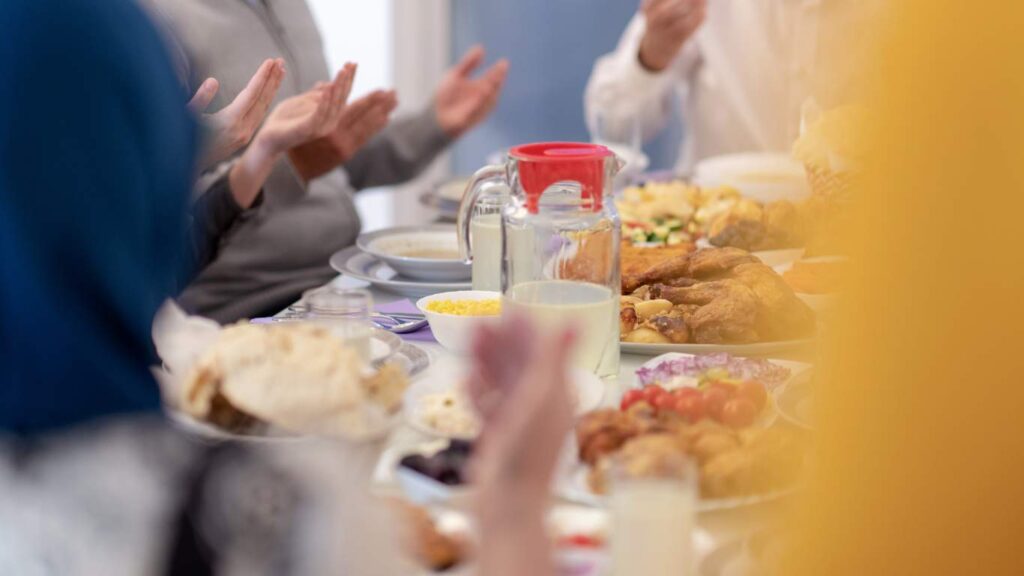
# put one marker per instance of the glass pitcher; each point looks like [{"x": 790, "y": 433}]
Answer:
[{"x": 560, "y": 237}]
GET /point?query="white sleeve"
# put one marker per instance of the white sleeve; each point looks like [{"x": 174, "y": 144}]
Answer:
[{"x": 620, "y": 87}]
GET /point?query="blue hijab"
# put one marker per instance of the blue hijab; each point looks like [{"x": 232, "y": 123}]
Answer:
[{"x": 96, "y": 158}]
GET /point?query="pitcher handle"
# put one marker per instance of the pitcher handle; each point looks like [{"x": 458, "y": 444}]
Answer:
[{"x": 487, "y": 175}]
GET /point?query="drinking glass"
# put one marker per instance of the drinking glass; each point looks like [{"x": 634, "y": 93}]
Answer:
[{"x": 653, "y": 517}]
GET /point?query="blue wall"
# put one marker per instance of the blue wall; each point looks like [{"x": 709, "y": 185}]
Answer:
[{"x": 552, "y": 45}]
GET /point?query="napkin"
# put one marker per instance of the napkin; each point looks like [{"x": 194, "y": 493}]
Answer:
[{"x": 407, "y": 307}]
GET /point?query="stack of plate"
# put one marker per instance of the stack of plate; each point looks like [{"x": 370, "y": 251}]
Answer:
[
  {"x": 411, "y": 261},
  {"x": 446, "y": 198}
]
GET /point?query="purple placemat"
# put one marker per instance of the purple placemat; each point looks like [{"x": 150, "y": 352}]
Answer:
[
  {"x": 397, "y": 307},
  {"x": 407, "y": 307}
]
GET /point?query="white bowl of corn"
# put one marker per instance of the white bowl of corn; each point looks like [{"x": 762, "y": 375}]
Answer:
[{"x": 455, "y": 316}]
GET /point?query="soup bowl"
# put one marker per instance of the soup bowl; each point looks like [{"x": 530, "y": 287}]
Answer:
[{"x": 429, "y": 253}]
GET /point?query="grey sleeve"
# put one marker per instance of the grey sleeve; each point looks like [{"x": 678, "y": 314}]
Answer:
[
  {"x": 213, "y": 213},
  {"x": 399, "y": 152}
]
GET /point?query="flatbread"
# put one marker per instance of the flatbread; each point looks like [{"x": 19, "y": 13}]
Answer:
[{"x": 296, "y": 376}]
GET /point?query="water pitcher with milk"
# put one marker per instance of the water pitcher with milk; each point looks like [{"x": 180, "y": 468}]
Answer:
[{"x": 560, "y": 237}]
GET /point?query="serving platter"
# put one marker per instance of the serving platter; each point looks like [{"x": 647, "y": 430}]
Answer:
[
  {"x": 757, "y": 350},
  {"x": 572, "y": 486},
  {"x": 357, "y": 264},
  {"x": 794, "y": 404}
]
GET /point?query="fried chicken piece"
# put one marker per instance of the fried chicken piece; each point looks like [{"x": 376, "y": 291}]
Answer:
[
  {"x": 712, "y": 262},
  {"x": 603, "y": 432},
  {"x": 781, "y": 314},
  {"x": 648, "y": 456},
  {"x": 662, "y": 271},
  {"x": 726, "y": 315},
  {"x": 672, "y": 325},
  {"x": 429, "y": 547},
  {"x": 638, "y": 259}
]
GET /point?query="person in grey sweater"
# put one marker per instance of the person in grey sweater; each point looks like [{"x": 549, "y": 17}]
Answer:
[{"x": 267, "y": 254}]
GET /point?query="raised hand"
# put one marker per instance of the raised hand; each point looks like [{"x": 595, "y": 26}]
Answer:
[
  {"x": 461, "y": 101},
  {"x": 294, "y": 122},
  {"x": 670, "y": 23},
  {"x": 204, "y": 96},
  {"x": 237, "y": 122},
  {"x": 358, "y": 123},
  {"x": 520, "y": 387}
]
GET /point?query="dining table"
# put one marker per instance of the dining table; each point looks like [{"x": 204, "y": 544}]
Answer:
[{"x": 715, "y": 530}]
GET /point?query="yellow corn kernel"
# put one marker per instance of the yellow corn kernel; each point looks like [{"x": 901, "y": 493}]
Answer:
[{"x": 466, "y": 307}]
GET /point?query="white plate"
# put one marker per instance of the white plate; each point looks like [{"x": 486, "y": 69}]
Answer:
[
  {"x": 727, "y": 560},
  {"x": 574, "y": 488},
  {"x": 820, "y": 303},
  {"x": 763, "y": 177},
  {"x": 793, "y": 403},
  {"x": 758, "y": 350},
  {"x": 392, "y": 246},
  {"x": 264, "y": 434},
  {"x": 799, "y": 372},
  {"x": 799, "y": 375},
  {"x": 590, "y": 391},
  {"x": 453, "y": 190},
  {"x": 359, "y": 265},
  {"x": 771, "y": 258},
  {"x": 206, "y": 431}
]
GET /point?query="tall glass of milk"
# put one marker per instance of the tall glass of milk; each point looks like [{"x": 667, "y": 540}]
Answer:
[
  {"x": 653, "y": 516},
  {"x": 479, "y": 226}
]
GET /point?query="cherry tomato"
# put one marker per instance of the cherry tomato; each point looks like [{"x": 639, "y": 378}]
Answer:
[
  {"x": 651, "y": 392},
  {"x": 714, "y": 401},
  {"x": 581, "y": 541},
  {"x": 690, "y": 406},
  {"x": 755, "y": 392},
  {"x": 739, "y": 413},
  {"x": 663, "y": 401},
  {"x": 631, "y": 397},
  {"x": 685, "y": 391},
  {"x": 729, "y": 389}
]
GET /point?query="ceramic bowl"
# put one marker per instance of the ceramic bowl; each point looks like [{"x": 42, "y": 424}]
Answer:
[
  {"x": 456, "y": 332},
  {"x": 429, "y": 253}
]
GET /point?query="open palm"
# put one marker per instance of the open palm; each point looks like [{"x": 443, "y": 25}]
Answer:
[{"x": 462, "y": 101}]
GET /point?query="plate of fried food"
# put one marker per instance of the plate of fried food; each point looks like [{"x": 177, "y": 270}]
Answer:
[
  {"x": 737, "y": 466},
  {"x": 280, "y": 381},
  {"x": 712, "y": 300}
]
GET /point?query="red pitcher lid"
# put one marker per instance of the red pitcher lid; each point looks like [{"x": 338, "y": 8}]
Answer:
[{"x": 545, "y": 163}]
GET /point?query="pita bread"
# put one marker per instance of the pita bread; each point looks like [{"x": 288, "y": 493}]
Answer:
[{"x": 297, "y": 376}]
